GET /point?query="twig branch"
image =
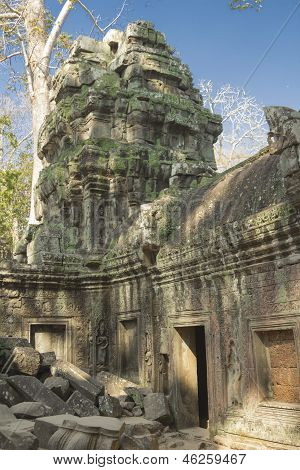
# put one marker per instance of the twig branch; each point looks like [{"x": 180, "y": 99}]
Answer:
[
  {"x": 91, "y": 15},
  {"x": 20, "y": 143},
  {"x": 13, "y": 54},
  {"x": 95, "y": 20}
]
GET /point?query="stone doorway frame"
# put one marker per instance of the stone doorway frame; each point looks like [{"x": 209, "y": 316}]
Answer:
[
  {"x": 288, "y": 321},
  {"x": 194, "y": 319},
  {"x": 61, "y": 321},
  {"x": 121, "y": 317}
]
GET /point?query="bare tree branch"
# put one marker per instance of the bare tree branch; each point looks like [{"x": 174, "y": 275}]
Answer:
[
  {"x": 13, "y": 54},
  {"x": 20, "y": 143},
  {"x": 95, "y": 19},
  {"x": 8, "y": 16},
  {"x": 92, "y": 16}
]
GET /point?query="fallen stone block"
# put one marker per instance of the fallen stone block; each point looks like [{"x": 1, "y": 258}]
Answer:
[
  {"x": 114, "y": 385},
  {"x": 147, "y": 442},
  {"x": 137, "y": 411},
  {"x": 141, "y": 426},
  {"x": 25, "y": 360},
  {"x": 93, "y": 433},
  {"x": 7, "y": 344},
  {"x": 79, "y": 380},
  {"x": 157, "y": 408},
  {"x": 33, "y": 390},
  {"x": 127, "y": 405},
  {"x": 21, "y": 425},
  {"x": 135, "y": 394},
  {"x": 48, "y": 359},
  {"x": 17, "y": 440},
  {"x": 59, "y": 386},
  {"x": 82, "y": 406},
  {"x": 30, "y": 410},
  {"x": 8, "y": 395},
  {"x": 110, "y": 406},
  {"x": 44, "y": 428},
  {"x": 6, "y": 415}
]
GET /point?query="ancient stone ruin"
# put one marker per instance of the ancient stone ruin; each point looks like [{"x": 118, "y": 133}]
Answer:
[{"x": 151, "y": 276}]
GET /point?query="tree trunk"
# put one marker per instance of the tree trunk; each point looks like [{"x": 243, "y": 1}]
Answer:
[{"x": 40, "y": 78}]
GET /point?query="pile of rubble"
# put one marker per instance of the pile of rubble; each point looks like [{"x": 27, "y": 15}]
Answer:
[{"x": 47, "y": 403}]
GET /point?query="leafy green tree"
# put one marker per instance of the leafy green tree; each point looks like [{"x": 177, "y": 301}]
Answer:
[
  {"x": 15, "y": 171},
  {"x": 15, "y": 188}
]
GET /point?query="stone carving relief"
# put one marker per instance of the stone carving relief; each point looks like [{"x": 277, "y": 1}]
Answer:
[{"x": 234, "y": 376}]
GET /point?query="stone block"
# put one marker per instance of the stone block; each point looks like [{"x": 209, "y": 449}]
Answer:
[
  {"x": 8, "y": 395},
  {"x": 33, "y": 390},
  {"x": 79, "y": 380},
  {"x": 44, "y": 428},
  {"x": 81, "y": 405},
  {"x": 30, "y": 410},
  {"x": 136, "y": 395},
  {"x": 157, "y": 408},
  {"x": 147, "y": 442},
  {"x": 17, "y": 440},
  {"x": 137, "y": 411},
  {"x": 110, "y": 406},
  {"x": 95, "y": 433},
  {"x": 7, "y": 344},
  {"x": 6, "y": 415},
  {"x": 59, "y": 386},
  {"x": 26, "y": 360},
  {"x": 140, "y": 426},
  {"x": 48, "y": 359}
]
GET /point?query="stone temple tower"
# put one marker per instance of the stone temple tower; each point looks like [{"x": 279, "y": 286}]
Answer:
[{"x": 126, "y": 124}]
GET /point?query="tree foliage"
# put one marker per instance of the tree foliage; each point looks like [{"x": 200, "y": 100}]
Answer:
[
  {"x": 244, "y": 4},
  {"x": 15, "y": 171}
]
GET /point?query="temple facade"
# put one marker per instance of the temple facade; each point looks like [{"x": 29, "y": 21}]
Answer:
[{"x": 150, "y": 264}]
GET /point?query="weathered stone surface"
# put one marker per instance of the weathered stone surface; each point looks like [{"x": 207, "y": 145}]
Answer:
[
  {"x": 32, "y": 389},
  {"x": 8, "y": 395},
  {"x": 44, "y": 428},
  {"x": 81, "y": 405},
  {"x": 30, "y": 410},
  {"x": 97, "y": 432},
  {"x": 146, "y": 442},
  {"x": 78, "y": 379},
  {"x": 141, "y": 426},
  {"x": 47, "y": 359},
  {"x": 59, "y": 386},
  {"x": 136, "y": 395},
  {"x": 26, "y": 360},
  {"x": 127, "y": 405},
  {"x": 140, "y": 434},
  {"x": 7, "y": 345},
  {"x": 17, "y": 440},
  {"x": 137, "y": 411},
  {"x": 114, "y": 385},
  {"x": 157, "y": 408},
  {"x": 109, "y": 406},
  {"x": 6, "y": 415}
]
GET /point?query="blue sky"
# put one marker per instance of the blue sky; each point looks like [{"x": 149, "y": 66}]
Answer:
[{"x": 218, "y": 43}]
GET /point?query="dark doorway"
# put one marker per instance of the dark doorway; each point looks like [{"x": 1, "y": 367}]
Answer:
[
  {"x": 202, "y": 376},
  {"x": 191, "y": 408},
  {"x": 128, "y": 348}
]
